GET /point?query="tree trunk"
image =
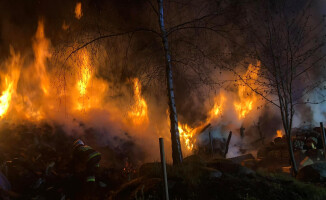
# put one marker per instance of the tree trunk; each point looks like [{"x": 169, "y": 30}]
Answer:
[
  {"x": 175, "y": 138},
  {"x": 291, "y": 153}
]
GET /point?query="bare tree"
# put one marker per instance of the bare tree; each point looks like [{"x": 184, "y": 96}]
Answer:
[
  {"x": 205, "y": 20},
  {"x": 175, "y": 138},
  {"x": 287, "y": 42}
]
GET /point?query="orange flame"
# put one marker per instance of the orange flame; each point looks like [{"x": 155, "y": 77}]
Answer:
[
  {"x": 187, "y": 135},
  {"x": 40, "y": 47},
  {"x": 10, "y": 82},
  {"x": 85, "y": 74},
  {"x": 218, "y": 106},
  {"x": 279, "y": 133},
  {"x": 89, "y": 90},
  {"x": 6, "y": 96},
  {"x": 138, "y": 113},
  {"x": 78, "y": 10},
  {"x": 247, "y": 97}
]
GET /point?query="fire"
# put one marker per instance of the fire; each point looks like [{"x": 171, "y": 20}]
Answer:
[
  {"x": 279, "y": 133},
  {"x": 187, "y": 135},
  {"x": 85, "y": 74},
  {"x": 138, "y": 113},
  {"x": 217, "y": 109},
  {"x": 41, "y": 50},
  {"x": 247, "y": 97},
  {"x": 6, "y": 95},
  {"x": 9, "y": 82},
  {"x": 89, "y": 91},
  {"x": 78, "y": 10}
]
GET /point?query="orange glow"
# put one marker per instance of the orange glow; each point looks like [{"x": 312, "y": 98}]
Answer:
[
  {"x": 6, "y": 97},
  {"x": 247, "y": 98},
  {"x": 64, "y": 26},
  {"x": 85, "y": 74},
  {"x": 218, "y": 106},
  {"x": 41, "y": 50},
  {"x": 187, "y": 135},
  {"x": 10, "y": 87},
  {"x": 78, "y": 10},
  {"x": 89, "y": 91},
  {"x": 279, "y": 133},
  {"x": 138, "y": 113},
  {"x": 50, "y": 92}
]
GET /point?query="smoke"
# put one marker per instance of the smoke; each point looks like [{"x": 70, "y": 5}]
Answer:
[{"x": 47, "y": 91}]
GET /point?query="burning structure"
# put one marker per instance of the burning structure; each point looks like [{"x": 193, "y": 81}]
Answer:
[{"x": 101, "y": 71}]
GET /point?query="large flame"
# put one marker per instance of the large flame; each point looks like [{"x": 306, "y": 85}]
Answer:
[
  {"x": 138, "y": 113},
  {"x": 82, "y": 90},
  {"x": 10, "y": 87},
  {"x": 85, "y": 73},
  {"x": 187, "y": 135},
  {"x": 6, "y": 97},
  {"x": 9, "y": 82},
  {"x": 41, "y": 50},
  {"x": 247, "y": 98},
  {"x": 84, "y": 78},
  {"x": 89, "y": 90}
]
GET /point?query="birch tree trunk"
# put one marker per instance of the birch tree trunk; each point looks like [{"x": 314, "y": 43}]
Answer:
[
  {"x": 292, "y": 158},
  {"x": 287, "y": 125},
  {"x": 175, "y": 138}
]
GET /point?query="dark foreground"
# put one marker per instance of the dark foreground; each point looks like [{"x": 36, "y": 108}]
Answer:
[{"x": 35, "y": 159}]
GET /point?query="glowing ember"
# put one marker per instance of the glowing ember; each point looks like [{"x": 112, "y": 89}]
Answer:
[
  {"x": 247, "y": 97},
  {"x": 78, "y": 10},
  {"x": 187, "y": 135},
  {"x": 279, "y": 133},
  {"x": 138, "y": 113}
]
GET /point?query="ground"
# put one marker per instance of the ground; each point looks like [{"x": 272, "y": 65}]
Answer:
[{"x": 35, "y": 159}]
